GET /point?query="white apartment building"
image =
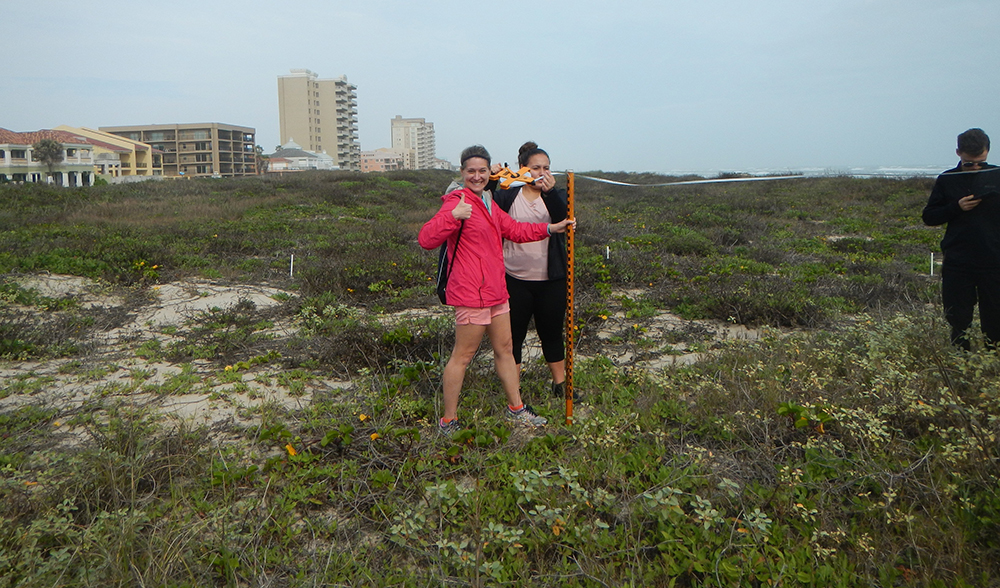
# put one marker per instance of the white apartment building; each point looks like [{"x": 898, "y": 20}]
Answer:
[
  {"x": 17, "y": 163},
  {"x": 320, "y": 115},
  {"x": 291, "y": 158},
  {"x": 414, "y": 139}
]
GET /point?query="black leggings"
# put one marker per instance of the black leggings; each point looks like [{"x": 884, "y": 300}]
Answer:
[{"x": 546, "y": 301}]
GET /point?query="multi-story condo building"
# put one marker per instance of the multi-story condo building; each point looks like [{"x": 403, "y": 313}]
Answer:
[
  {"x": 320, "y": 115},
  {"x": 198, "y": 149},
  {"x": 381, "y": 160},
  {"x": 413, "y": 138},
  {"x": 17, "y": 163}
]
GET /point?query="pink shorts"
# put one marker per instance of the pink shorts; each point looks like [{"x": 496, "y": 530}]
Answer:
[{"x": 467, "y": 315}]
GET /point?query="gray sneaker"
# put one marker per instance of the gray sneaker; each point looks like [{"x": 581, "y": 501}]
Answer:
[
  {"x": 450, "y": 428},
  {"x": 525, "y": 416}
]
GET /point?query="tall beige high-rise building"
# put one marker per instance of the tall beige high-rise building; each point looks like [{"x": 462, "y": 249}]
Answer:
[
  {"x": 320, "y": 115},
  {"x": 413, "y": 138}
]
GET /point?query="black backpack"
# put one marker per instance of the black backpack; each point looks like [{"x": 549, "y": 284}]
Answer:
[{"x": 443, "y": 267}]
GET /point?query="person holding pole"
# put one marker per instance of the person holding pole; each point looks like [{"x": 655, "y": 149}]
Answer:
[
  {"x": 966, "y": 198},
  {"x": 536, "y": 271},
  {"x": 474, "y": 227}
]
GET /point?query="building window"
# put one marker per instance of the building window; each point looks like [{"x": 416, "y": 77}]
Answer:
[
  {"x": 157, "y": 136},
  {"x": 18, "y": 154},
  {"x": 201, "y": 169},
  {"x": 201, "y": 157},
  {"x": 203, "y": 146},
  {"x": 3, "y": 154},
  {"x": 202, "y": 134}
]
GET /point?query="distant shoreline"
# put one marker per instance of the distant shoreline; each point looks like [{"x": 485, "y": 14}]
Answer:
[{"x": 915, "y": 171}]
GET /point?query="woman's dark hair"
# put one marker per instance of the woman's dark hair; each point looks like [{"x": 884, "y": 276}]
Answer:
[
  {"x": 475, "y": 151},
  {"x": 527, "y": 150},
  {"x": 973, "y": 142}
]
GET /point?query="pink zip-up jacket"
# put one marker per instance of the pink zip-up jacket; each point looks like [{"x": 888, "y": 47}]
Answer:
[{"x": 477, "y": 275}]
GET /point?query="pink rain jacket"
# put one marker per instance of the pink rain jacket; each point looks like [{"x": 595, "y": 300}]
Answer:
[{"x": 477, "y": 275}]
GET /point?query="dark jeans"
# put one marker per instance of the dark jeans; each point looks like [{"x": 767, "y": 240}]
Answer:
[
  {"x": 961, "y": 290},
  {"x": 546, "y": 301}
]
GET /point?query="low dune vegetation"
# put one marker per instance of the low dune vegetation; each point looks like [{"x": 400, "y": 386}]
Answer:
[{"x": 238, "y": 381}]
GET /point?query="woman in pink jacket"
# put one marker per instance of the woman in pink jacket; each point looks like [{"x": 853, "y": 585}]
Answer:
[{"x": 476, "y": 285}]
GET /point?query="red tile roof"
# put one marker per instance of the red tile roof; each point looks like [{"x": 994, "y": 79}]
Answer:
[
  {"x": 32, "y": 137},
  {"x": 8, "y": 137}
]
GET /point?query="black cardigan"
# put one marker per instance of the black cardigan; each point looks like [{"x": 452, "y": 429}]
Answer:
[
  {"x": 972, "y": 239},
  {"x": 556, "y": 202}
]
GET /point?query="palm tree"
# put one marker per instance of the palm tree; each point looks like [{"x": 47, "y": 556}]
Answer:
[{"x": 263, "y": 161}]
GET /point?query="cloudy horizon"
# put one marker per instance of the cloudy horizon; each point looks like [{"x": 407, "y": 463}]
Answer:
[{"x": 634, "y": 86}]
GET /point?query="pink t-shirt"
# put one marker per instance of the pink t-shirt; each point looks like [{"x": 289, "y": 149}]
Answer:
[{"x": 528, "y": 261}]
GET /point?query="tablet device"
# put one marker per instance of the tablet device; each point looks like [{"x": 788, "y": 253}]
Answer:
[
  {"x": 985, "y": 183},
  {"x": 982, "y": 183}
]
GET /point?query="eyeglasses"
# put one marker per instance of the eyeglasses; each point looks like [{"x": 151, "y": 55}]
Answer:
[{"x": 973, "y": 163}]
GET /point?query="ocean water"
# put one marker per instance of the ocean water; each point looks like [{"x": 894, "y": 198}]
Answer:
[{"x": 911, "y": 171}]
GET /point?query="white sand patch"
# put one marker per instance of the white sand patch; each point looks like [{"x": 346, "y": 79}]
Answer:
[
  {"x": 88, "y": 293},
  {"x": 199, "y": 409},
  {"x": 178, "y": 302},
  {"x": 216, "y": 399},
  {"x": 56, "y": 286}
]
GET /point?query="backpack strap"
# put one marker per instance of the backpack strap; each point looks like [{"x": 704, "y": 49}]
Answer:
[{"x": 454, "y": 253}]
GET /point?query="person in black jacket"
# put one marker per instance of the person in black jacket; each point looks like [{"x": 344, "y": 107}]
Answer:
[
  {"x": 536, "y": 272},
  {"x": 966, "y": 198}
]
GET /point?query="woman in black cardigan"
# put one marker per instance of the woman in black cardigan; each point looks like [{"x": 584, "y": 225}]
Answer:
[{"x": 536, "y": 273}]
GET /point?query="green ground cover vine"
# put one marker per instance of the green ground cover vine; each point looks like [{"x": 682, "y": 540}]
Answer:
[{"x": 859, "y": 449}]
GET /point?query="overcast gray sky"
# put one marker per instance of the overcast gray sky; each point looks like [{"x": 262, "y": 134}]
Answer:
[{"x": 628, "y": 85}]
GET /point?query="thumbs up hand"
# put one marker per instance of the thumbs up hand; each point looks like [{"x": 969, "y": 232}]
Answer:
[{"x": 462, "y": 210}]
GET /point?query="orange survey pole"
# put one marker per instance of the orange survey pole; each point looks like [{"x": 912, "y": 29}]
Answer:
[{"x": 570, "y": 322}]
